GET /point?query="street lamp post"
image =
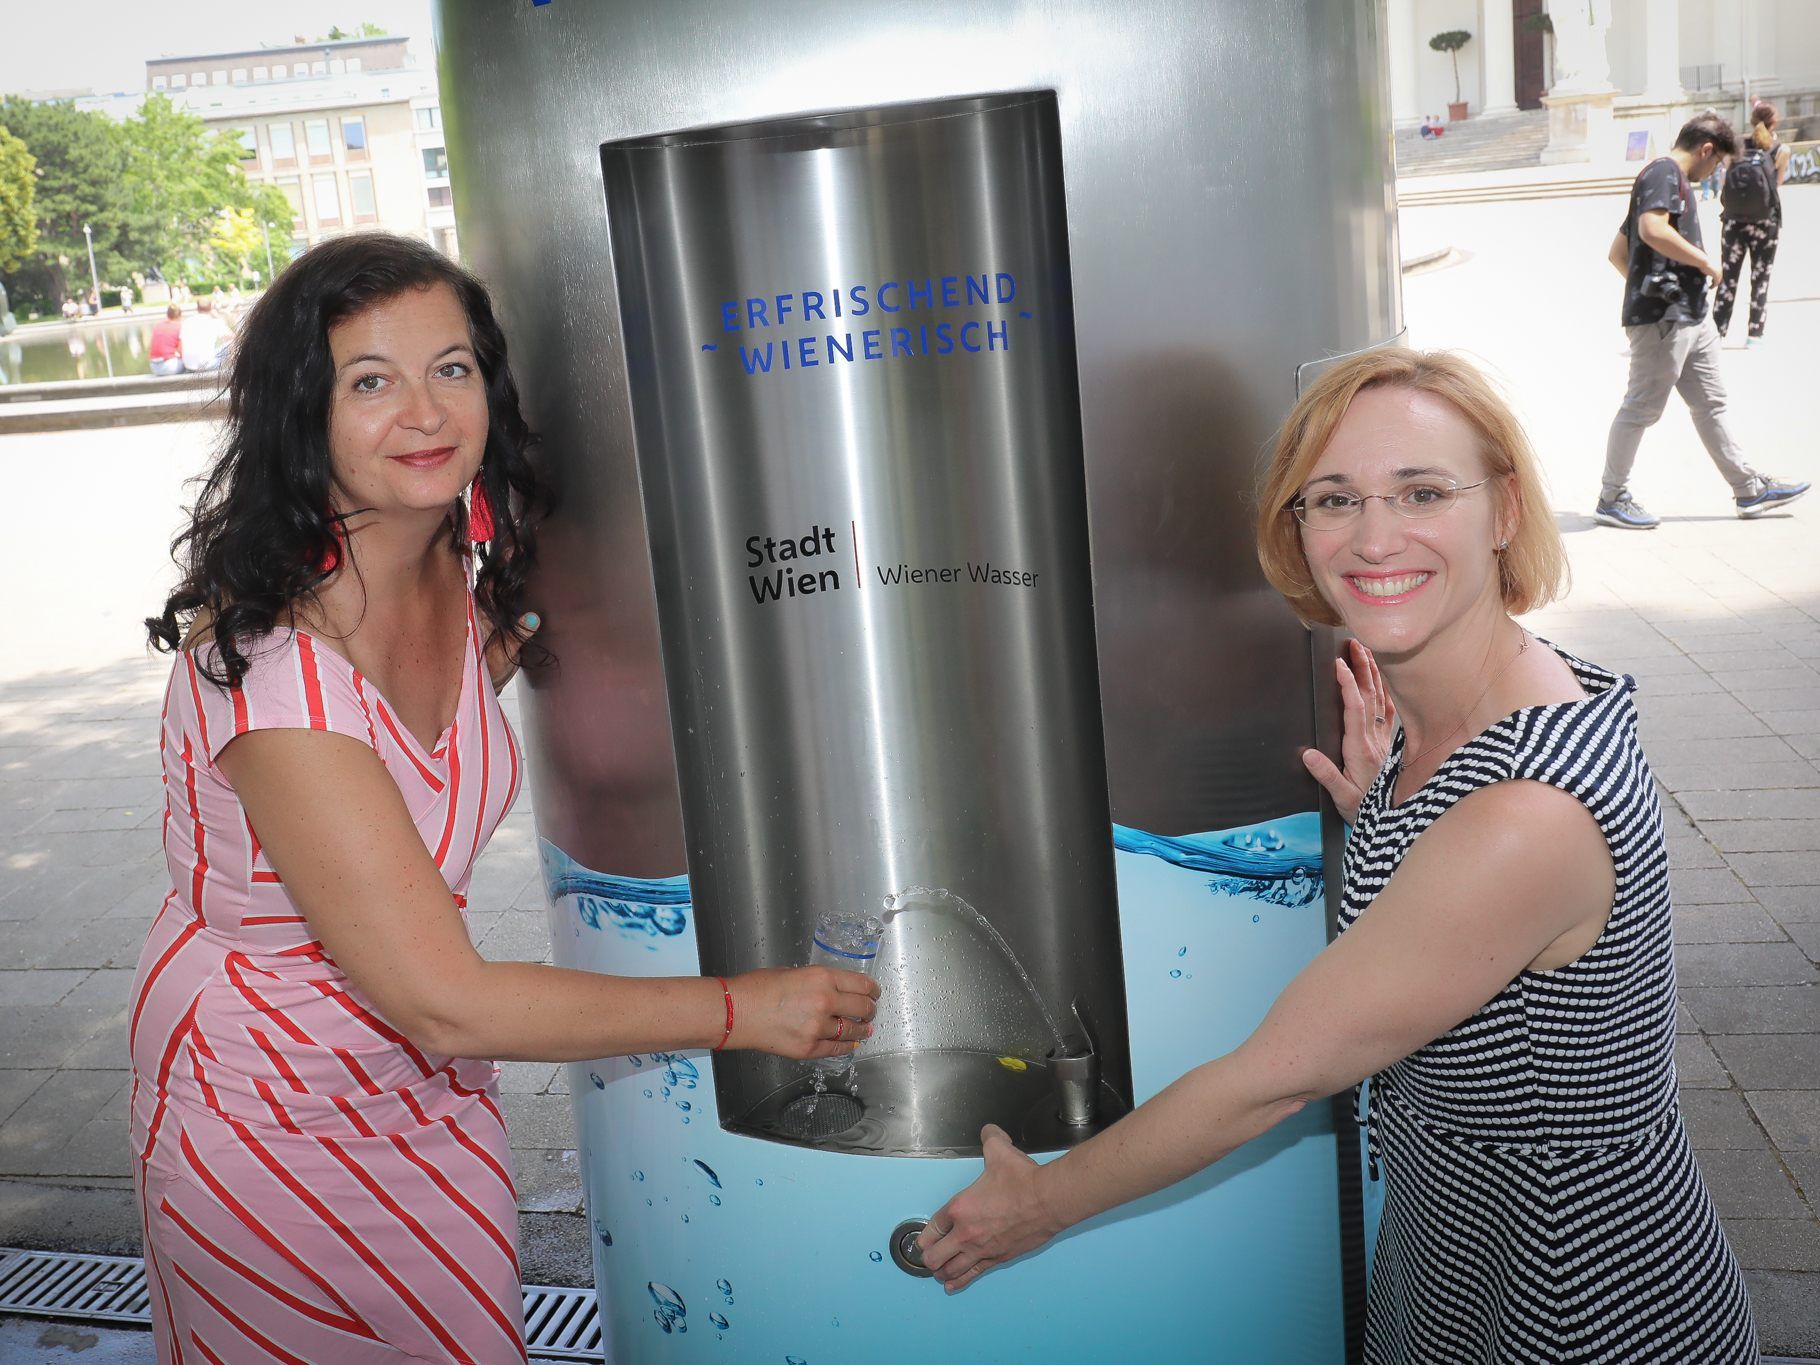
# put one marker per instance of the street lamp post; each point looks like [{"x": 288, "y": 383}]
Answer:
[
  {"x": 271, "y": 273},
  {"x": 93, "y": 276}
]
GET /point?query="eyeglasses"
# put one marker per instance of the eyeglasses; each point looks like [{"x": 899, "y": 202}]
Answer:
[{"x": 1419, "y": 499}]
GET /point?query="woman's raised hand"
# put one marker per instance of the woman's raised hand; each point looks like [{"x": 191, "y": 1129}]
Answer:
[
  {"x": 999, "y": 1216},
  {"x": 802, "y": 1012},
  {"x": 1370, "y": 721}
]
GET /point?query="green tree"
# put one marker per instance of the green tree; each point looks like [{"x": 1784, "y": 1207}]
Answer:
[
  {"x": 18, "y": 190},
  {"x": 179, "y": 178},
  {"x": 81, "y": 162},
  {"x": 368, "y": 29}
]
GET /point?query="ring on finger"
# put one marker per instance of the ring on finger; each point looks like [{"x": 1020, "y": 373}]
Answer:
[{"x": 840, "y": 1026}]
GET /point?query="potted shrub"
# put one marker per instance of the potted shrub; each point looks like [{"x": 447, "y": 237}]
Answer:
[{"x": 1451, "y": 42}]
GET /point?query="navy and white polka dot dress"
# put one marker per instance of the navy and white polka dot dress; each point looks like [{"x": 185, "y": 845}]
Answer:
[{"x": 1541, "y": 1199}]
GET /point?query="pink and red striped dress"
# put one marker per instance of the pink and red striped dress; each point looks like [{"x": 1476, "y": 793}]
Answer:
[{"x": 315, "y": 1188}]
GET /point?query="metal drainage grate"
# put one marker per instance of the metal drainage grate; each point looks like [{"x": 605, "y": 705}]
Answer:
[
  {"x": 560, "y": 1323},
  {"x": 820, "y": 1116}
]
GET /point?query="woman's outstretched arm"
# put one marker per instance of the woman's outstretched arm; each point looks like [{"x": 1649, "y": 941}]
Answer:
[
  {"x": 334, "y": 826},
  {"x": 1509, "y": 873}
]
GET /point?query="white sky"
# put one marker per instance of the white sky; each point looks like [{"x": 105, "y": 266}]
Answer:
[{"x": 102, "y": 45}]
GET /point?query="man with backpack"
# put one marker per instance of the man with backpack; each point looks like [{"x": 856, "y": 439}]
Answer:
[
  {"x": 1673, "y": 342},
  {"x": 1752, "y": 205}
]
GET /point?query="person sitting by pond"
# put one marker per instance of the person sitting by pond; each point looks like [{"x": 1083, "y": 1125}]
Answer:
[
  {"x": 71, "y": 309},
  {"x": 167, "y": 341},
  {"x": 1504, "y": 974},
  {"x": 324, "y": 1171},
  {"x": 205, "y": 338}
]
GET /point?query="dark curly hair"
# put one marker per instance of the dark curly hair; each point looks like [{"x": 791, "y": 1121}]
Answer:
[{"x": 261, "y": 536}]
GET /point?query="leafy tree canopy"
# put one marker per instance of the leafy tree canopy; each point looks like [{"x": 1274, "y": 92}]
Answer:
[
  {"x": 18, "y": 192},
  {"x": 367, "y": 29},
  {"x": 80, "y": 173}
]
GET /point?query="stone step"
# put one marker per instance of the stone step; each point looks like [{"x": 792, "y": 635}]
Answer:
[{"x": 1475, "y": 145}]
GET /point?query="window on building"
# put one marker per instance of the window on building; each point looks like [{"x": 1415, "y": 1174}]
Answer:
[
  {"x": 262, "y": 73},
  {"x": 249, "y": 143},
  {"x": 360, "y": 196},
  {"x": 354, "y": 137},
  {"x": 283, "y": 142},
  {"x": 220, "y": 78},
  {"x": 316, "y": 138},
  {"x": 239, "y": 76},
  {"x": 353, "y": 64},
  {"x": 429, "y": 118},
  {"x": 159, "y": 82},
  {"x": 441, "y": 197},
  {"x": 436, "y": 163},
  {"x": 292, "y": 189},
  {"x": 328, "y": 199},
  {"x": 319, "y": 68},
  {"x": 338, "y": 67},
  {"x": 179, "y": 81},
  {"x": 281, "y": 72}
]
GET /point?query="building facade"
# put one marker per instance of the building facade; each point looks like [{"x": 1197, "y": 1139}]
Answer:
[
  {"x": 1605, "y": 69},
  {"x": 350, "y": 132}
]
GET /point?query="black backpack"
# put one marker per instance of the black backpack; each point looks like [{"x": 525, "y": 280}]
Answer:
[{"x": 1749, "y": 195}]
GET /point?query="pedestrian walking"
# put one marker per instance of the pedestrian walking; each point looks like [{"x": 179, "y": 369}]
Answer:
[
  {"x": 1751, "y": 220},
  {"x": 1673, "y": 342}
]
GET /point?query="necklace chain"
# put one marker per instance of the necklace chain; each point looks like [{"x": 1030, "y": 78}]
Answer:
[{"x": 1410, "y": 760}]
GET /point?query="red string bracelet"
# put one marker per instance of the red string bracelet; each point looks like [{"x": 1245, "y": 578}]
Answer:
[{"x": 727, "y": 995}]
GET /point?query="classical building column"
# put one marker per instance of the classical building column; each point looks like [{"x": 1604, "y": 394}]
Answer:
[
  {"x": 1662, "y": 52},
  {"x": 1400, "y": 37},
  {"x": 1497, "y": 57},
  {"x": 1579, "y": 103}
]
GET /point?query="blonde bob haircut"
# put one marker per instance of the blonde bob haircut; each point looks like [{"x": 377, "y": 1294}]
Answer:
[{"x": 1532, "y": 571}]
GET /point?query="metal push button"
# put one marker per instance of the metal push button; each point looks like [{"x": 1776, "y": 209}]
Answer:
[{"x": 905, "y": 1251}]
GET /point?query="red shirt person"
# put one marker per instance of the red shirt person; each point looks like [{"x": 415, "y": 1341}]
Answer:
[{"x": 166, "y": 338}]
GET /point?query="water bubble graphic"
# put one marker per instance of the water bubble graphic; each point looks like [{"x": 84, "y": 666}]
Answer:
[
  {"x": 685, "y": 1120},
  {"x": 684, "y": 1105},
  {"x": 685, "y": 1218},
  {"x": 647, "y": 1203},
  {"x": 708, "y": 1171},
  {"x": 1176, "y": 973},
  {"x": 638, "y": 1175},
  {"x": 877, "y": 1256},
  {"x": 759, "y": 1181},
  {"x": 666, "y": 1092},
  {"x": 1254, "y": 919},
  {"x": 647, "y": 1094},
  {"x": 606, "y": 1238},
  {"x": 714, "y": 1199},
  {"x": 718, "y": 1321},
  {"x": 635, "y": 1059},
  {"x": 726, "y": 1289},
  {"x": 670, "y": 1310},
  {"x": 1182, "y": 951},
  {"x": 598, "y": 1083},
  {"x": 795, "y": 1360}
]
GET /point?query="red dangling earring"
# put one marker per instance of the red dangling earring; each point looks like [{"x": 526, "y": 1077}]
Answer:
[
  {"x": 331, "y": 557},
  {"x": 480, "y": 514}
]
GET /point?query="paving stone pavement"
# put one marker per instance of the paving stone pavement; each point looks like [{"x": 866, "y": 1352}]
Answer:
[{"x": 1718, "y": 620}]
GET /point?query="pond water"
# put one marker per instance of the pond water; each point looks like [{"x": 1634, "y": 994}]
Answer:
[{"x": 91, "y": 350}]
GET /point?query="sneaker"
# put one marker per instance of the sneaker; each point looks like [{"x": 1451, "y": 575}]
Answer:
[
  {"x": 1770, "y": 494},
  {"x": 1627, "y": 514}
]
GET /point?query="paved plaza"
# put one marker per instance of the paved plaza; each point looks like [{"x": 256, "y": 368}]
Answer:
[{"x": 1718, "y": 619}]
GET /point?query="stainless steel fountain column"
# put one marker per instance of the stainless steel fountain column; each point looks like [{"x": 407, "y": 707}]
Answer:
[{"x": 850, "y": 341}]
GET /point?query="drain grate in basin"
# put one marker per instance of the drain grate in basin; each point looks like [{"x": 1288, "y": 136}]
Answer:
[
  {"x": 820, "y": 1116},
  {"x": 560, "y": 1323}
]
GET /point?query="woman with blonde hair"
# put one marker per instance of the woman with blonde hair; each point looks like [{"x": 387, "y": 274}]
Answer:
[
  {"x": 1752, "y": 220},
  {"x": 1504, "y": 975}
]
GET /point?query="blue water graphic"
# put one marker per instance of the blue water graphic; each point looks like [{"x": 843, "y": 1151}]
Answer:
[
  {"x": 1278, "y": 862},
  {"x": 1252, "y": 1242},
  {"x": 637, "y": 907}
]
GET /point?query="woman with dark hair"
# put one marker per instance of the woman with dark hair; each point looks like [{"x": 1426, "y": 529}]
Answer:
[
  {"x": 1752, "y": 221},
  {"x": 1505, "y": 972},
  {"x": 323, "y": 1170}
]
